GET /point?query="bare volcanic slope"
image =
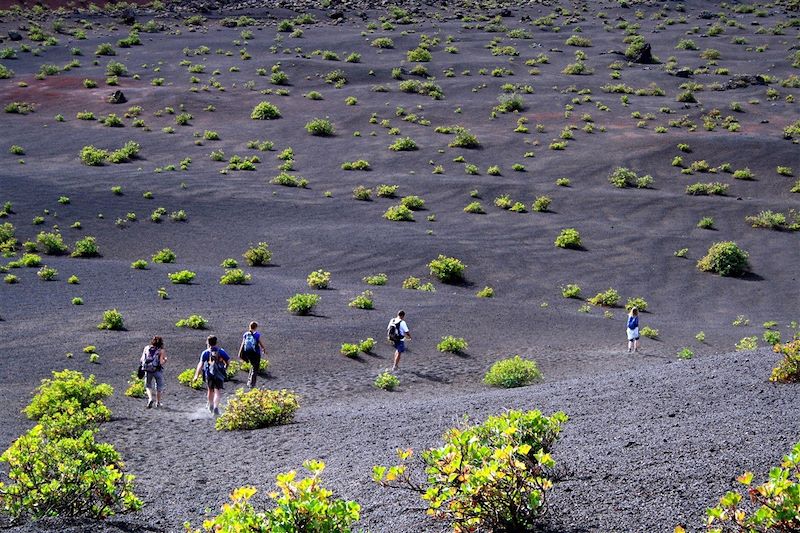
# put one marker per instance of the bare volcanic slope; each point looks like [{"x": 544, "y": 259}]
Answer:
[{"x": 553, "y": 109}]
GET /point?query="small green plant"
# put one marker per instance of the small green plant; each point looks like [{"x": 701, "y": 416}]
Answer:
[
  {"x": 608, "y": 298},
  {"x": 258, "y": 255},
  {"x": 568, "y": 238},
  {"x": 164, "y": 255},
  {"x": 86, "y": 247},
  {"x": 77, "y": 301},
  {"x": 513, "y": 372},
  {"x": 302, "y": 304},
  {"x": 192, "y": 322},
  {"x": 622, "y": 177},
  {"x": 112, "y": 320},
  {"x": 747, "y": 343},
  {"x": 187, "y": 378},
  {"x": 486, "y": 292},
  {"x": 725, "y": 258},
  {"x": 571, "y": 290},
  {"x": 182, "y": 277},
  {"x": 349, "y": 350},
  {"x": 51, "y": 243},
  {"x": 541, "y": 204},
  {"x": 474, "y": 208},
  {"x": 637, "y": 302},
  {"x": 258, "y": 408},
  {"x": 788, "y": 368},
  {"x": 387, "y": 381},
  {"x": 399, "y": 213},
  {"x": 701, "y": 336},
  {"x": 403, "y": 144},
  {"x": 450, "y": 344},
  {"x": 447, "y": 269},
  {"x": 376, "y": 279},
  {"x": 234, "y": 276},
  {"x": 706, "y": 223},
  {"x": 319, "y": 279},
  {"x": 136, "y": 387},
  {"x": 685, "y": 353},
  {"x": 265, "y": 111},
  {"x": 415, "y": 203},
  {"x": 320, "y": 127},
  {"x": 650, "y": 333},
  {"x": 47, "y": 273},
  {"x": 362, "y": 301},
  {"x": 772, "y": 337}
]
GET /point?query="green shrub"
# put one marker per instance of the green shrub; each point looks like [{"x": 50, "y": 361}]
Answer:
[
  {"x": 707, "y": 189},
  {"x": 64, "y": 388},
  {"x": 608, "y": 298},
  {"x": 568, "y": 238},
  {"x": 366, "y": 345},
  {"x": 452, "y": 344},
  {"x": 685, "y": 353},
  {"x": 778, "y": 221},
  {"x": 265, "y": 111},
  {"x": 377, "y": 279},
  {"x": 420, "y": 55},
  {"x": 164, "y": 255},
  {"x": 403, "y": 144},
  {"x": 486, "y": 292},
  {"x": 491, "y": 476},
  {"x": 541, "y": 204},
  {"x": 382, "y": 42},
  {"x": 302, "y": 304},
  {"x": 411, "y": 283},
  {"x": 47, "y": 273},
  {"x": 399, "y": 213},
  {"x": 192, "y": 322},
  {"x": 30, "y": 260},
  {"x": 288, "y": 180},
  {"x": 387, "y": 381},
  {"x": 319, "y": 279},
  {"x": 650, "y": 333},
  {"x": 772, "y": 337},
  {"x": 774, "y": 504},
  {"x": 320, "y": 127},
  {"x": 788, "y": 368},
  {"x": 447, "y": 269},
  {"x": 187, "y": 378},
  {"x": 725, "y": 258},
  {"x": 386, "y": 191},
  {"x": 622, "y": 177},
  {"x": 86, "y": 247},
  {"x": 706, "y": 223},
  {"x": 360, "y": 164},
  {"x": 577, "y": 40},
  {"x": 512, "y": 372},
  {"x": 415, "y": 203},
  {"x": 571, "y": 290},
  {"x": 52, "y": 243},
  {"x": 112, "y": 320},
  {"x": 258, "y": 255},
  {"x": 362, "y": 193},
  {"x": 362, "y": 301},
  {"x": 464, "y": 139},
  {"x": 136, "y": 388},
  {"x": 258, "y": 408},
  {"x": 743, "y": 174},
  {"x": 349, "y": 350},
  {"x": 182, "y": 277},
  {"x": 234, "y": 276},
  {"x": 637, "y": 302},
  {"x": 475, "y": 208},
  {"x": 747, "y": 343}
]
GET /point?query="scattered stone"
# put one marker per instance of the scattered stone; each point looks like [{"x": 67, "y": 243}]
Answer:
[
  {"x": 14, "y": 35},
  {"x": 683, "y": 73},
  {"x": 117, "y": 97},
  {"x": 644, "y": 55}
]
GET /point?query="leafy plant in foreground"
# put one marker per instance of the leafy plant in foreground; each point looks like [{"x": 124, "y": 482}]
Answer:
[{"x": 302, "y": 304}]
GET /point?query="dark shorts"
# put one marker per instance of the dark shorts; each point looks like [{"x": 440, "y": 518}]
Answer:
[
  {"x": 214, "y": 383},
  {"x": 400, "y": 346}
]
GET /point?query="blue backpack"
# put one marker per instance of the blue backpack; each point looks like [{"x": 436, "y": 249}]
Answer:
[
  {"x": 215, "y": 366},
  {"x": 249, "y": 342}
]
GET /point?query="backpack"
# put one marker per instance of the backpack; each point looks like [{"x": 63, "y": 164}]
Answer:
[
  {"x": 152, "y": 359},
  {"x": 215, "y": 366},
  {"x": 393, "y": 331},
  {"x": 249, "y": 342}
]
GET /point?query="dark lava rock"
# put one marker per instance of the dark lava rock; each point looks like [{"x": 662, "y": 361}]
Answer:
[
  {"x": 683, "y": 73},
  {"x": 740, "y": 82},
  {"x": 644, "y": 55},
  {"x": 705, "y": 15},
  {"x": 117, "y": 97},
  {"x": 505, "y": 12},
  {"x": 14, "y": 36},
  {"x": 128, "y": 16},
  {"x": 336, "y": 15}
]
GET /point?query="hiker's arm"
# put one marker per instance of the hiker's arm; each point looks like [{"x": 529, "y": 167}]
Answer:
[
  {"x": 163, "y": 356},
  {"x": 263, "y": 349},
  {"x": 408, "y": 334},
  {"x": 198, "y": 369}
]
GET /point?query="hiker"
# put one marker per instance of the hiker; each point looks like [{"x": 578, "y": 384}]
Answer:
[
  {"x": 633, "y": 330},
  {"x": 152, "y": 363},
  {"x": 251, "y": 350},
  {"x": 397, "y": 333},
  {"x": 213, "y": 363}
]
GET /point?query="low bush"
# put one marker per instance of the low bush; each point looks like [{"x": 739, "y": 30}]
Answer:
[
  {"x": 403, "y": 144},
  {"x": 411, "y": 283},
  {"x": 622, "y": 177},
  {"x": 64, "y": 388},
  {"x": 747, "y": 343},
  {"x": 302, "y": 304},
  {"x": 650, "y": 333},
  {"x": 136, "y": 388},
  {"x": 773, "y": 505},
  {"x": 447, "y": 269},
  {"x": 387, "y": 381},
  {"x": 707, "y": 189},
  {"x": 608, "y": 298},
  {"x": 234, "y": 276},
  {"x": 512, "y": 372},
  {"x": 376, "y": 279},
  {"x": 362, "y": 193},
  {"x": 349, "y": 349},
  {"x": 363, "y": 301},
  {"x": 420, "y": 55},
  {"x": 386, "y": 191},
  {"x": 568, "y": 238},
  {"x": 320, "y": 127},
  {"x": 47, "y": 273},
  {"x": 513, "y": 447},
  {"x": 258, "y": 408},
  {"x": 450, "y": 344},
  {"x": 319, "y": 279},
  {"x": 382, "y": 42},
  {"x": 265, "y": 111},
  {"x": 258, "y": 255},
  {"x": 637, "y": 302},
  {"x": 788, "y": 368},
  {"x": 571, "y": 290},
  {"x": 192, "y": 322},
  {"x": 725, "y": 258},
  {"x": 360, "y": 164},
  {"x": 464, "y": 139},
  {"x": 486, "y": 292},
  {"x": 187, "y": 378},
  {"x": 289, "y": 180},
  {"x": 777, "y": 221},
  {"x": 474, "y": 208},
  {"x": 86, "y": 247},
  {"x": 367, "y": 345},
  {"x": 399, "y": 213},
  {"x": 415, "y": 203},
  {"x": 51, "y": 243},
  {"x": 164, "y": 255},
  {"x": 541, "y": 204},
  {"x": 182, "y": 277},
  {"x": 112, "y": 320}
]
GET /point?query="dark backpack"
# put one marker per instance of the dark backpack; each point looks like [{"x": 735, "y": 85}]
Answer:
[
  {"x": 393, "y": 331},
  {"x": 250, "y": 343},
  {"x": 215, "y": 366},
  {"x": 152, "y": 360}
]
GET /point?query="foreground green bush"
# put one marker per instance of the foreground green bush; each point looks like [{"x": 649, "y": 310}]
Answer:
[
  {"x": 447, "y": 269},
  {"x": 186, "y": 378},
  {"x": 258, "y": 408},
  {"x": 513, "y": 372},
  {"x": 259, "y": 255},
  {"x": 303, "y": 506},
  {"x": 725, "y": 258},
  {"x": 302, "y": 304},
  {"x": 487, "y": 477},
  {"x": 568, "y": 238},
  {"x": 53, "y": 393},
  {"x": 265, "y": 111},
  {"x": 788, "y": 368},
  {"x": 452, "y": 344},
  {"x": 774, "y": 506},
  {"x": 387, "y": 381},
  {"x": 608, "y": 298}
]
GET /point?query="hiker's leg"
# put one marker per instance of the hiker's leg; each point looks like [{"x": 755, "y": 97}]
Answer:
[
  {"x": 217, "y": 396},
  {"x": 255, "y": 362},
  {"x": 396, "y": 363}
]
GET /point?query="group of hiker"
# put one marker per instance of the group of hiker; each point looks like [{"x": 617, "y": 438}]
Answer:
[{"x": 213, "y": 362}]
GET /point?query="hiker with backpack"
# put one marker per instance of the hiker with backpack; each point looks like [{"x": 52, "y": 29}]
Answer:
[
  {"x": 251, "y": 350},
  {"x": 632, "y": 330},
  {"x": 213, "y": 364},
  {"x": 152, "y": 364},
  {"x": 397, "y": 332}
]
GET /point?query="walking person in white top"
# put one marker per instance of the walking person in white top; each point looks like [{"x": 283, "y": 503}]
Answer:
[{"x": 398, "y": 332}]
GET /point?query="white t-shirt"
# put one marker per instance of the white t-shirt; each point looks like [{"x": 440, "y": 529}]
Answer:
[{"x": 401, "y": 326}]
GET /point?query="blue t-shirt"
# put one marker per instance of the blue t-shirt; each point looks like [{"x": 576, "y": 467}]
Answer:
[
  {"x": 633, "y": 322},
  {"x": 257, "y": 335},
  {"x": 207, "y": 353}
]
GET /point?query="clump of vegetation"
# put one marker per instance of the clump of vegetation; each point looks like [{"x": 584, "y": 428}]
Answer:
[
  {"x": 265, "y": 111},
  {"x": 403, "y": 144},
  {"x": 258, "y": 408},
  {"x": 112, "y": 320},
  {"x": 319, "y": 279},
  {"x": 623, "y": 177},
  {"x": 650, "y": 333},
  {"x": 447, "y": 269},
  {"x": 258, "y": 255},
  {"x": 788, "y": 368},
  {"x": 725, "y": 258},
  {"x": 377, "y": 279},
  {"x": 568, "y": 238},
  {"x": 192, "y": 322},
  {"x": 486, "y": 292},
  {"x": 571, "y": 290},
  {"x": 86, "y": 247},
  {"x": 181, "y": 277},
  {"x": 399, "y": 213},
  {"x": 320, "y": 127},
  {"x": 164, "y": 255},
  {"x": 234, "y": 276},
  {"x": 777, "y": 221},
  {"x": 450, "y": 344},
  {"x": 362, "y": 301},
  {"x": 387, "y": 381},
  {"x": 608, "y": 298},
  {"x": 302, "y": 304},
  {"x": 512, "y": 372}
]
